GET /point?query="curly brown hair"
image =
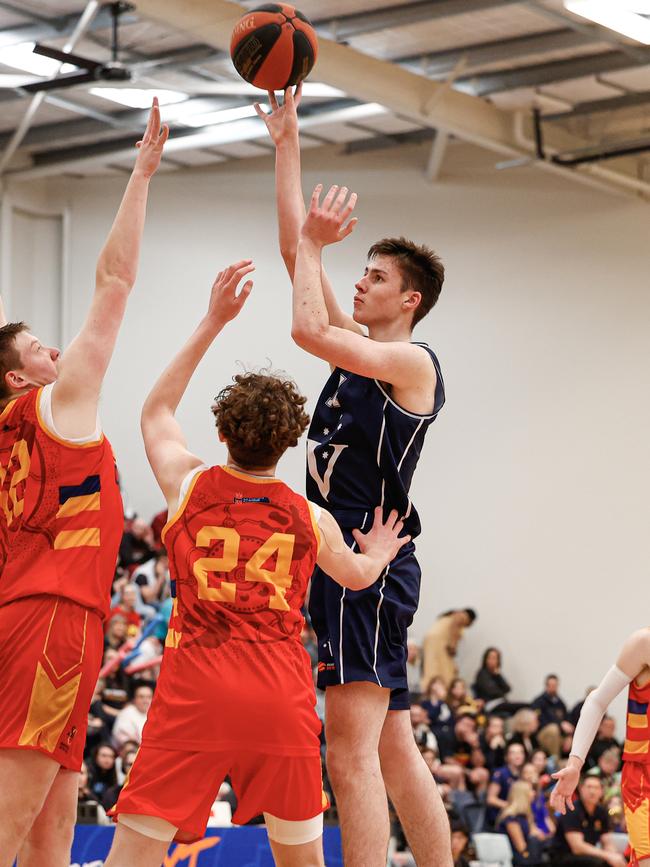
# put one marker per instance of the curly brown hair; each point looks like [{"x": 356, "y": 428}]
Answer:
[{"x": 260, "y": 416}]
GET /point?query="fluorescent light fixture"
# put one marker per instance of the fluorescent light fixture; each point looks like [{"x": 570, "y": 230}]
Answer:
[
  {"x": 136, "y": 97},
  {"x": 241, "y": 88},
  {"x": 623, "y": 16},
  {"x": 21, "y": 56},
  {"x": 226, "y": 115}
]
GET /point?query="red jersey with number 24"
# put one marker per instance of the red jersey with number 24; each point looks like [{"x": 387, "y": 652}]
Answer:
[{"x": 235, "y": 674}]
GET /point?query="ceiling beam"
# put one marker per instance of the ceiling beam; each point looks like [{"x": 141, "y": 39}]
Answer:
[
  {"x": 546, "y": 73},
  {"x": 54, "y": 28},
  {"x": 343, "y": 27},
  {"x": 441, "y": 63},
  {"x": 614, "y": 103}
]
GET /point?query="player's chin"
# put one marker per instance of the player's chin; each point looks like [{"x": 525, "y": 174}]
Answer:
[{"x": 358, "y": 314}]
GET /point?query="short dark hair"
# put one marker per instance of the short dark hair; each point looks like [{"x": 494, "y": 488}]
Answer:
[
  {"x": 260, "y": 416},
  {"x": 422, "y": 270},
  {"x": 551, "y": 677},
  {"x": 9, "y": 356},
  {"x": 471, "y": 614}
]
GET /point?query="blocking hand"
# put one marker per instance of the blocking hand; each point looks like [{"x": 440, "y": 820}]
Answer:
[
  {"x": 383, "y": 540},
  {"x": 225, "y": 303},
  {"x": 152, "y": 142},
  {"x": 326, "y": 222}
]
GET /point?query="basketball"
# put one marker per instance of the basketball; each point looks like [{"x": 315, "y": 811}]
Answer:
[{"x": 274, "y": 46}]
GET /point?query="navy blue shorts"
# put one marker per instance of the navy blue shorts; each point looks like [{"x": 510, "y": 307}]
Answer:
[{"x": 362, "y": 634}]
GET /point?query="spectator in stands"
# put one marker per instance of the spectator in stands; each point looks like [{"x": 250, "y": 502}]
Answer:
[
  {"x": 126, "y": 607},
  {"x": 460, "y": 848},
  {"x": 116, "y": 632},
  {"x": 516, "y": 820},
  {"x": 126, "y": 748},
  {"x": 116, "y": 679},
  {"x": 493, "y": 743},
  {"x": 585, "y": 828},
  {"x": 466, "y": 752},
  {"x": 111, "y": 795},
  {"x": 451, "y": 775},
  {"x": 152, "y": 579},
  {"x": 131, "y": 719},
  {"x": 539, "y": 804},
  {"x": 616, "y": 813},
  {"x": 440, "y": 645},
  {"x": 553, "y": 717},
  {"x": 608, "y": 769},
  {"x": 100, "y": 719},
  {"x": 441, "y": 720},
  {"x": 87, "y": 802},
  {"x": 137, "y": 544},
  {"x": 414, "y": 671},
  {"x": 524, "y": 726},
  {"x": 157, "y": 525},
  {"x": 539, "y": 760},
  {"x": 605, "y": 740},
  {"x": 423, "y": 735},
  {"x": 491, "y": 686},
  {"x": 101, "y": 770},
  {"x": 501, "y": 780},
  {"x": 460, "y": 700}
]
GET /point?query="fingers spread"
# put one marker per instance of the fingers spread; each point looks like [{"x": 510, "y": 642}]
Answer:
[
  {"x": 315, "y": 196},
  {"x": 338, "y": 202},
  {"x": 260, "y": 111},
  {"x": 273, "y": 100},
  {"x": 297, "y": 94},
  {"x": 347, "y": 210},
  {"x": 164, "y": 135},
  {"x": 329, "y": 198}
]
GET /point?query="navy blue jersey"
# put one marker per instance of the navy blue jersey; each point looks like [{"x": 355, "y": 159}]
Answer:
[{"x": 363, "y": 448}]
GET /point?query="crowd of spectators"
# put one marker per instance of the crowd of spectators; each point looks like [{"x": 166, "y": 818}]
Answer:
[{"x": 492, "y": 758}]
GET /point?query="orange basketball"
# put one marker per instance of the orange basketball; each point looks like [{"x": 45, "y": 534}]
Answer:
[{"x": 274, "y": 46}]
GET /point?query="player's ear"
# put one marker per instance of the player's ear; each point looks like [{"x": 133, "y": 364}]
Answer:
[
  {"x": 14, "y": 379},
  {"x": 410, "y": 300},
  {"x": 222, "y": 438}
]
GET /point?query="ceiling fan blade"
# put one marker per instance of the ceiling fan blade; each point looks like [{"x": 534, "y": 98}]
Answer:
[
  {"x": 65, "y": 57},
  {"x": 61, "y": 82}
]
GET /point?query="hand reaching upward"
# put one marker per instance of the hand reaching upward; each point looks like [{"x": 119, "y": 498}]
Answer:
[
  {"x": 326, "y": 222},
  {"x": 282, "y": 120},
  {"x": 225, "y": 303},
  {"x": 151, "y": 145}
]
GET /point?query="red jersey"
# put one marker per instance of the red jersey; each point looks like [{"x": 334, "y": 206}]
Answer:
[
  {"x": 235, "y": 674},
  {"x": 61, "y": 513},
  {"x": 637, "y": 735}
]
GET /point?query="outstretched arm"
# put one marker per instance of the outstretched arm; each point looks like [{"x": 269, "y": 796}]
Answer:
[
  {"x": 633, "y": 659},
  {"x": 398, "y": 362},
  {"x": 164, "y": 440},
  {"x": 282, "y": 124},
  {"x": 84, "y": 363},
  {"x": 377, "y": 548}
]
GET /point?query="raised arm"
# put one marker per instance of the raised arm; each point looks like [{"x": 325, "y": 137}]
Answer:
[
  {"x": 84, "y": 363},
  {"x": 282, "y": 124},
  {"x": 164, "y": 441},
  {"x": 377, "y": 548},
  {"x": 632, "y": 661},
  {"x": 398, "y": 362}
]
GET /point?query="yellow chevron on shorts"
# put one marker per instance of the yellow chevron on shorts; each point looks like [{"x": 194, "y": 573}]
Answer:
[
  {"x": 638, "y": 828},
  {"x": 76, "y": 505},
  {"x": 49, "y": 710},
  {"x": 88, "y": 538}
]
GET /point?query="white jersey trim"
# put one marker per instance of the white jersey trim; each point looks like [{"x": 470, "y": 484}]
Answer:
[
  {"x": 187, "y": 481},
  {"x": 45, "y": 410}
]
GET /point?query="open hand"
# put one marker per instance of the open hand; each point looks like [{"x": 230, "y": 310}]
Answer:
[
  {"x": 326, "y": 222},
  {"x": 383, "y": 539},
  {"x": 562, "y": 794},
  {"x": 225, "y": 303},
  {"x": 152, "y": 142},
  {"x": 282, "y": 121}
]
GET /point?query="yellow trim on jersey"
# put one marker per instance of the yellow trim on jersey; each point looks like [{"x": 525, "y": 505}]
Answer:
[
  {"x": 182, "y": 506},
  {"x": 638, "y": 720},
  {"x": 316, "y": 528},
  {"x": 256, "y": 480},
  {"x": 8, "y": 408},
  {"x": 62, "y": 674},
  {"x": 636, "y": 748},
  {"x": 637, "y": 822},
  {"x": 88, "y": 538},
  {"x": 77, "y": 505},
  {"x": 50, "y": 433}
]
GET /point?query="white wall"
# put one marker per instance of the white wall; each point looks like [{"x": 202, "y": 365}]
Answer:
[{"x": 534, "y": 485}]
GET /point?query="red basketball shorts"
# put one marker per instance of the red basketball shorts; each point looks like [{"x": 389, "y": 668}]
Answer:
[
  {"x": 181, "y": 787},
  {"x": 50, "y": 656},
  {"x": 635, "y": 788}
]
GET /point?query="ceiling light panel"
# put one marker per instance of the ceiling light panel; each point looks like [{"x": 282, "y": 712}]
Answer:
[{"x": 623, "y": 16}]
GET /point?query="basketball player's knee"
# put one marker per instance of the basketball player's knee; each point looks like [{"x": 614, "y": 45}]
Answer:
[
  {"x": 346, "y": 760},
  {"x": 51, "y": 831}
]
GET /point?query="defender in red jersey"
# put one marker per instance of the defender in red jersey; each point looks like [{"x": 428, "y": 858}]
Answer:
[
  {"x": 235, "y": 694},
  {"x": 61, "y": 522},
  {"x": 632, "y": 668}
]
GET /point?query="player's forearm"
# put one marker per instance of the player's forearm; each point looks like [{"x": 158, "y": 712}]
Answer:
[
  {"x": 289, "y": 199},
  {"x": 117, "y": 265},
  {"x": 310, "y": 319},
  {"x": 172, "y": 384},
  {"x": 364, "y": 570}
]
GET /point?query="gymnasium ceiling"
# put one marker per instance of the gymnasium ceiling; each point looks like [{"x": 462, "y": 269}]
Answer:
[{"x": 389, "y": 73}]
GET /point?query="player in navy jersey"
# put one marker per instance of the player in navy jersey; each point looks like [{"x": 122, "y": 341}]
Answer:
[{"x": 364, "y": 443}]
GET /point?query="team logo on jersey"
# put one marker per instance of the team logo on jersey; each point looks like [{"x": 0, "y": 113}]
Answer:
[
  {"x": 331, "y": 455},
  {"x": 333, "y": 401}
]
